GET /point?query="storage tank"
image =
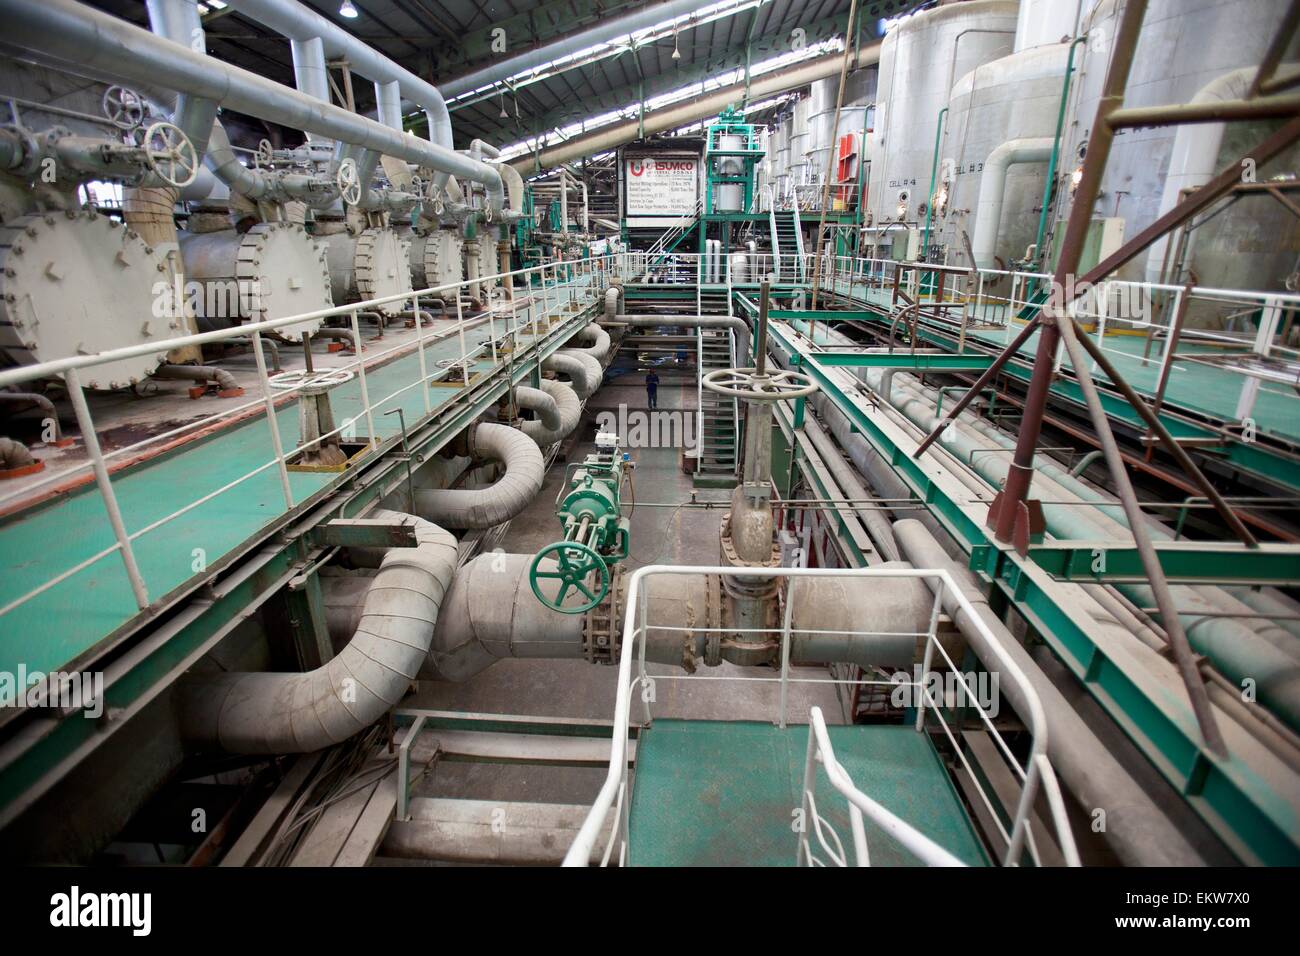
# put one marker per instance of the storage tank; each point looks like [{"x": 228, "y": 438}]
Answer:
[
  {"x": 799, "y": 143},
  {"x": 74, "y": 283},
  {"x": 1186, "y": 52},
  {"x": 994, "y": 155},
  {"x": 370, "y": 264},
  {"x": 921, "y": 58},
  {"x": 437, "y": 258},
  {"x": 272, "y": 271},
  {"x": 730, "y": 197}
]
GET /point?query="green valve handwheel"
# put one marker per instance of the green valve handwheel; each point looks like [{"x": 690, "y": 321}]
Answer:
[{"x": 574, "y": 562}]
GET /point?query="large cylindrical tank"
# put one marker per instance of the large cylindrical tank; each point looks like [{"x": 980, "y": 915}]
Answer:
[
  {"x": 800, "y": 136},
  {"x": 272, "y": 271},
  {"x": 75, "y": 283},
  {"x": 729, "y": 197},
  {"x": 1017, "y": 97},
  {"x": 489, "y": 259},
  {"x": 1186, "y": 50},
  {"x": 370, "y": 264},
  {"x": 921, "y": 58},
  {"x": 437, "y": 259}
]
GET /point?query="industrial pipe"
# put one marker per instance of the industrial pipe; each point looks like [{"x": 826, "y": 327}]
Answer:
[
  {"x": 478, "y": 508},
  {"x": 736, "y": 324},
  {"x": 568, "y": 409},
  {"x": 993, "y": 185},
  {"x": 105, "y": 46},
  {"x": 298, "y": 713},
  {"x": 578, "y": 367}
]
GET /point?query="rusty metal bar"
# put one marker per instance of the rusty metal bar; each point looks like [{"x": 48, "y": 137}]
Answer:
[
  {"x": 1265, "y": 107},
  {"x": 1286, "y": 30},
  {"x": 1012, "y": 348},
  {"x": 1153, "y": 422},
  {"x": 1181, "y": 650},
  {"x": 1010, "y": 501}
]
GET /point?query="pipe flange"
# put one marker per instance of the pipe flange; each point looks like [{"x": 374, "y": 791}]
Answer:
[{"x": 600, "y": 625}]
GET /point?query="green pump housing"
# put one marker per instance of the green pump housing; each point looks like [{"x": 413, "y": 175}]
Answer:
[{"x": 596, "y": 535}]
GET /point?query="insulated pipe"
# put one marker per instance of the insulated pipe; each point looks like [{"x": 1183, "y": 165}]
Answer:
[
  {"x": 14, "y": 455},
  {"x": 491, "y": 613},
  {"x": 594, "y": 370},
  {"x": 599, "y": 349},
  {"x": 298, "y": 22},
  {"x": 1136, "y": 828},
  {"x": 200, "y": 373},
  {"x": 736, "y": 324},
  {"x": 578, "y": 369},
  {"x": 298, "y": 713},
  {"x": 105, "y": 46},
  {"x": 605, "y": 28},
  {"x": 993, "y": 185},
  {"x": 612, "y": 296},
  {"x": 535, "y": 400},
  {"x": 178, "y": 21},
  {"x": 568, "y": 408},
  {"x": 698, "y": 108},
  {"x": 878, "y": 526},
  {"x": 478, "y": 508}
]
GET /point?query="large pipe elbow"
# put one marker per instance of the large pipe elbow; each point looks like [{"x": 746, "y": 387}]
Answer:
[
  {"x": 297, "y": 713},
  {"x": 736, "y": 325},
  {"x": 568, "y": 410},
  {"x": 478, "y": 508},
  {"x": 578, "y": 366},
  {"x": 600, "y": 342},
  {"x": 993, "y": 188}
]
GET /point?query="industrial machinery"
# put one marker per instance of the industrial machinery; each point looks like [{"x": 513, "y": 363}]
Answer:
[{"x": 596, "y": 535}]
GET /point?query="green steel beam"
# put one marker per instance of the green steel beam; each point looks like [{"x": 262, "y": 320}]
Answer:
[
  {"x": 920, "y": 361},
  {"x": 1254, "y": 815},
  {"x": 1184, "y": 562}
]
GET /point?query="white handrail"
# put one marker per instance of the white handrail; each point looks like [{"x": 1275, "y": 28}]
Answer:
[{"x": 634, "y": 634}]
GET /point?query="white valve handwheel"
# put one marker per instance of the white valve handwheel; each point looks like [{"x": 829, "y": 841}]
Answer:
[
  {"x": 170, "y": 154},
  {"x": 301, "y": 378},
  {"x": 123, "y": 107},
  {"x": 265, "y": 154},
  {"x": 349, "y": 182},
  {"x": 746, "y": 383}
]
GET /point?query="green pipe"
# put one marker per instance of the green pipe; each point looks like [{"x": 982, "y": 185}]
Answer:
[
  {"x": 934, "y": 172},
  {"x": 1056, "y": 149}
]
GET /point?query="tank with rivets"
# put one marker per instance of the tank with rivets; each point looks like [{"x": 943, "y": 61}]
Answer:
[
  {"x": 76, "y": 285},
  {"x": 437, "y": 258},
  {"x": 369, "y": 264},
  {"x": 272, "y": 271}
]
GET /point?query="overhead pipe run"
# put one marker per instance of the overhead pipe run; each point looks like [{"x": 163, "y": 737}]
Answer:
[
  {"x": 734, "y": 323},
  {"x": 605, "y": 29},
  {"x": 769, "y": 84},
  {"x": 110, "y": 48},
  {"x": 269, "y": 713}
]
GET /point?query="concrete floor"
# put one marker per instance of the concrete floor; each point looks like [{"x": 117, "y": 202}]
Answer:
[{"x": 578, "y": 689}]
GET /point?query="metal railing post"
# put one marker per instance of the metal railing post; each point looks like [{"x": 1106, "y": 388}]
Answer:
[
  {"x": 424, "y": 369},
  {"x": 96, "y": 456},
  {"x": 372, "y": 439},
  {"x": 272, "y": 422},
  {"x": 460, "y": 334}
]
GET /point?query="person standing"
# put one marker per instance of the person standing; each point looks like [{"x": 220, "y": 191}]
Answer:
[{"x": 652, "y": 388}]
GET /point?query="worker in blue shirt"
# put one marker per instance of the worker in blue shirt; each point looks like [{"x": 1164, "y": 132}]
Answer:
[{"x": 652, "y": 389}]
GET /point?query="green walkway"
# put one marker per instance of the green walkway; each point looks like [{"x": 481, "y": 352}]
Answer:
[
  {"x": 713, "y": 793},
  {"x": 1205, "y": 389},
  {"x": 65, "y": 622}
]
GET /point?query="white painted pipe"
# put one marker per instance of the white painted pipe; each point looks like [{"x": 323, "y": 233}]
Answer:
[
  {"x": 993, "y": 187},
  {"x": 479, "y": 508}
]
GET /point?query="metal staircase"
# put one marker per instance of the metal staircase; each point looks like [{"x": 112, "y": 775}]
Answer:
[
  {"x": 674, "y": 234},
  {"x": 717, "y": 420},
  {"x": 787, "y": 245}
]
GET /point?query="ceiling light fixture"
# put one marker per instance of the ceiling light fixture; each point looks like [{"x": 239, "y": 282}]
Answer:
[
  {"x": 677, "y": 54},
  {"x": 503, "y": 114},
  {"x": 348, "y": 10}
]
